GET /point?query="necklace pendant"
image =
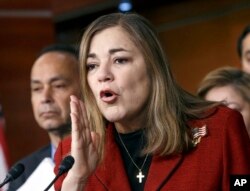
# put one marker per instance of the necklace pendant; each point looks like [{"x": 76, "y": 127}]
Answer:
[{"x": 140, "y": 176}]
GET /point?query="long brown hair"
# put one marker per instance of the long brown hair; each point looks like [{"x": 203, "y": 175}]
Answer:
[{"x": 169, "y": 107}]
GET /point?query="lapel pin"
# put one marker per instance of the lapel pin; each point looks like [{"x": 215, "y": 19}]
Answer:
[{"x": 198, "y": 133}]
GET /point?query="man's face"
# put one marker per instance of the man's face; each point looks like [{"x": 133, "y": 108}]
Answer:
[
  {"x": 54, "y": 78},
  {"x": 245, "y": 57}
]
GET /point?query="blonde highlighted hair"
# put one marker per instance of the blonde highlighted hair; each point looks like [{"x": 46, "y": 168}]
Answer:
[
  {"x": 226, "y": 76},
  {"x": 169, "y": 107}
]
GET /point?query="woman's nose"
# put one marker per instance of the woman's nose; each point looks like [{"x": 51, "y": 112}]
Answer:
[{"x": 105, "y": 73}]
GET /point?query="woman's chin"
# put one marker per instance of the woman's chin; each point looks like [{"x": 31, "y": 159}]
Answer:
[{"x": 113, "y": 117}]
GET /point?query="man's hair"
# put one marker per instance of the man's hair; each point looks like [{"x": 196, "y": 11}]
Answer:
[
  {"x": 60, "y": 48},
  {"x": 244, "y": 33}
]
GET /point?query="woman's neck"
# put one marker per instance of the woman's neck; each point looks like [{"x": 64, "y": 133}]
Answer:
[{"x": 128, "y": 127}]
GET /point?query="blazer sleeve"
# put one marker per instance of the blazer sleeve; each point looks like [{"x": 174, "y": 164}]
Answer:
[
  {"x": 236, "y": 148},
  {"x": 62, "y": 151}
]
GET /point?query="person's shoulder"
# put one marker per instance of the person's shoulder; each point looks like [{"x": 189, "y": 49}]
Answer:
[
  {"x": 30, "y": 162},
  {"x": 64, "y": 146},
  {"x": 224, "y": 113},
  {"x": 218, "y": 116},
  {"x": 221, "y": 123},
  {"x": 226, "y": 110},
  {"x": 66, "y": 140},
  {"x": 62, "y": 150},
  {"x": 37, "y": 156}
]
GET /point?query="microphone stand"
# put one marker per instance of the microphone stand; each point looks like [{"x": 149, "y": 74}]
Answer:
[
  {"x": 53, "y": 181},
  {"x": 3, "y": 183},
  {"x": 14, "y": 173},
  {"x": 65, "y": 165}
]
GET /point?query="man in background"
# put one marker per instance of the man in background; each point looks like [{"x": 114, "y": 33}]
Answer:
[
  {"x": 243, "y": 49},
  {"x": 54, "y": 77}
]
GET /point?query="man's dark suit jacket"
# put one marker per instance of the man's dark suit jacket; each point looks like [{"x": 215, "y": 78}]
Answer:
[{"x": 30, "y": 162}]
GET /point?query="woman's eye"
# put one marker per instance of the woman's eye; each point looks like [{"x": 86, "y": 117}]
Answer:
[
  {"x": 90, "y": 67},
  {"x": 121, "y": 60}
]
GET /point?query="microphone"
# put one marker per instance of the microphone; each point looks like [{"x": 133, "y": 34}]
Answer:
[
  {"x": 14, "y": 173},
  {"x": 65, "y": 165}
]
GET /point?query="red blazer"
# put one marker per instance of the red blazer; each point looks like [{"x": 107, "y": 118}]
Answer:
[{"x": 224, "y": 151}]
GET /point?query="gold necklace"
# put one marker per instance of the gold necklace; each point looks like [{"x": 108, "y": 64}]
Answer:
[{"x": 140, "y": 176}]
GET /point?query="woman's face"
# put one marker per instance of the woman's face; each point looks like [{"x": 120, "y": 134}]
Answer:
[
  {"x": 118, "y": 77},
  {"x": 233, "y": 100}
]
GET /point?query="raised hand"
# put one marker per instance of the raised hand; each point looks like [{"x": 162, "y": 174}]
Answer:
[{"x": 84, "y": 147}]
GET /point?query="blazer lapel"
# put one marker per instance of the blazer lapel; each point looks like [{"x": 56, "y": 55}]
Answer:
[
  {"x": 160, "y": 171},
  {"x": 111, "y": 171}
]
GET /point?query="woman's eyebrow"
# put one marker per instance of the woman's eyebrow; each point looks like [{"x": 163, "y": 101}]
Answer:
[
  {"x": 111, "y": 51},
  {"x": 91, "y": 55},
  {"x": 114, "y": 50}
]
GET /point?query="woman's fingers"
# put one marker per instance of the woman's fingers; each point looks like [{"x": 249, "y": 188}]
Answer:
[
  {"x": 84, "y": 143},
  {"x": 82, "y": 137},
  {"x": 76, "y": 134},
  {"x": 84, "y": 113},
  {"x": 80, "y": 119},
  {"x": 85, "y": 122}
]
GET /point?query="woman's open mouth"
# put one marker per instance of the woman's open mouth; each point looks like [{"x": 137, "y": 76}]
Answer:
[{"x": 108, "y": 96}]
